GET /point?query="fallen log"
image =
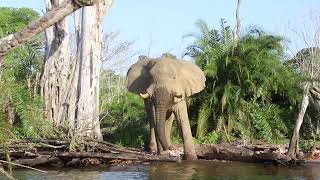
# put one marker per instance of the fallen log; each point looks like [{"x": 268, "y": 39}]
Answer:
[
  {"x": 122, "y": 156},
  {"x": 53, "y": 151},
  {"x": 19, "y": 154},
  {"x": 46, "y": 141},
  {"x": 105, "y": 148},
  {"x": 233, "y": 153},
  {"x": 37, "y": 161}
]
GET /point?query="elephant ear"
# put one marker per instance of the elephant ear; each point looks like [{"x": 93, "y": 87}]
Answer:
[
  {"x": 192, "y": 78},
  {"x": 138, "y": 78}
]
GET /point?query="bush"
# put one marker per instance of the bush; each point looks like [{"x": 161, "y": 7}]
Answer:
[
  {"x": 125, "y": 121},
  {"x": 19, "y": 82},
  {"x": 249, "y": 92}
]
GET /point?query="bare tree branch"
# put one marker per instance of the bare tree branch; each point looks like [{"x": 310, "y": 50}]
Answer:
[{"x": 55, "y": 15}]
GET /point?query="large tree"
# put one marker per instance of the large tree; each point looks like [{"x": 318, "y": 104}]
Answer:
[
  {"x": 89, "y": 48},
  {"x": 81, "y": 99},
  {"x": 57, "y": 67},
  {"x": 308, "y": 63}
]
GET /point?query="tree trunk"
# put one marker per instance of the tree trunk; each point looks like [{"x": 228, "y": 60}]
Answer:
[
  {"x": 11, "y": 114},
  {"x": 55, "y": 15},
  {"x": 56, "y": 70},
  {"x": 87, "y": 101},
  {"x": 294, "y": 142},
  {"x": 238, "y": 27}
]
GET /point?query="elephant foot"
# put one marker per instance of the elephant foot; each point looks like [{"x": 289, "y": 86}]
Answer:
[
  {"x": 152, "y": 150},
  {"x": 172, "y": 148},
  {"x": 172, "y": 153},
  {"x": 190, "y": 157}
]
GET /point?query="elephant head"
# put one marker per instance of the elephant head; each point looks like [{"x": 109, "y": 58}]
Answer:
[{"x": 165, "y": 81}]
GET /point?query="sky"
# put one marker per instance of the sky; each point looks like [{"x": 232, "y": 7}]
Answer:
[{"x": 159, "y": 26}]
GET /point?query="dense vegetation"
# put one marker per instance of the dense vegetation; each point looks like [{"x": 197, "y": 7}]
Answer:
[
  {"x": 21, "y": 106},
  {"x": 250, "y": 92},
  {"x": 122, "y": 113}
]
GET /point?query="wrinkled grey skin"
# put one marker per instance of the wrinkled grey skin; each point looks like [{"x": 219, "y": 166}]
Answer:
[
  {"x": 164, "y": 83},
  {"x": 152, "y": 146}
]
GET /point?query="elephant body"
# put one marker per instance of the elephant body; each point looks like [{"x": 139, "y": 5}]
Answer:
[{"x": 164, "y": 83}]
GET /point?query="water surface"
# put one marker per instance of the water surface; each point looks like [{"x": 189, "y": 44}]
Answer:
[{"x": 170, "y": 171}]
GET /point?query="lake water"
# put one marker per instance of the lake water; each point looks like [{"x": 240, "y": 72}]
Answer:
[{"x": 170, "y": 171}]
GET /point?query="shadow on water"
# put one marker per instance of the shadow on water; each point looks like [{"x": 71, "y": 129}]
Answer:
[{"x": 184, "y": 170}]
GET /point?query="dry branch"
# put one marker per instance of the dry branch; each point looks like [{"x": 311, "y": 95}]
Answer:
[
  {"x": 37, "y": 161},
  {"x": 55, "y": 15},
  {"x": 2, "y": 171},
  {"x": 244, "y": 154},
  {"x": 105, "y": 152},
  {"x": 15, "y": 164}
]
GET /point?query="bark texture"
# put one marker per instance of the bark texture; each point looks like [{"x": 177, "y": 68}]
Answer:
[
  {"x": 238, "y": 19},
  {"x": 87, "y": 100},
  {"x": 55, "y": 15},
  {"x": 56, "y": 70},
  {"x": 294, "y": 142}
]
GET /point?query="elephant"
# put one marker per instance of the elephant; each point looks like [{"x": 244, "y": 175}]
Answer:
[
  {"x": 164, "y": 83},
  {"x": 152, "y": 147}
]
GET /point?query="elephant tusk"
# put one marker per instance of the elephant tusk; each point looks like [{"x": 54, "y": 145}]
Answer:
[
  {"x": 178, "y": 95},
  {"x": 144, "y": 96}
]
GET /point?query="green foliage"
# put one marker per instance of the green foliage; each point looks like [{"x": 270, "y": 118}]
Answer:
[
  {"x": 19, "y": 79},
  {"x": 249, "y": 92},
  {"x": 267, "y": 122},
  {"x": 125, "y": 121},
  {"x": 6, "y": 131},
  {"x": 13, "y": 20}
]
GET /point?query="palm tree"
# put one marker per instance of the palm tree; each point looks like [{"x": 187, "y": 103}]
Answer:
[{"x": 243, "y": 76}]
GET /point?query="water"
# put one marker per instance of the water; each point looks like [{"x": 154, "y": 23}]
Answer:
[{"x": 185, "y": 170}]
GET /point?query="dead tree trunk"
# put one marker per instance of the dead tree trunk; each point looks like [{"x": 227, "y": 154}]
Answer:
[
  {"x": 56, "y": 70},
  {"x": 238, "y": 26},
  {"x": 294, "y": 142},
  {"x": 55, "y": 15},
  {"x": 87, "y": 102}
]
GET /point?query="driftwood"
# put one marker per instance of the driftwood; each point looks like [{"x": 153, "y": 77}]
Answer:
[
  {"x": 7, "y": 175},
  {"x": 122, "y": 156},
  {"x": 244, "y": 154},
  {"x": 20, "y": 165},
  {"x": 37, "y": 161},
  {"x": 34, "y": 152}
]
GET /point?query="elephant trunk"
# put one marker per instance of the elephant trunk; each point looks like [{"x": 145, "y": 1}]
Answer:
[{"x": 160, "y": 127}]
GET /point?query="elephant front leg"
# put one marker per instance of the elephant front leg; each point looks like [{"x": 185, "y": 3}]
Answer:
[
  {"x": 152, "y": 146},
  {"x": 169, "y": 122},
  {"x": 181, "y": 113}
]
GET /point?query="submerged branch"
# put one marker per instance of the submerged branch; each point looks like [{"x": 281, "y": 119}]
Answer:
[
  {"x": 2, "y": 171},
  {"x": 20, "y": 165}
]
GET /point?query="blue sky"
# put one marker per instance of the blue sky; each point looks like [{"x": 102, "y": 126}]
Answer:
[{"x": 161, "y": 25}]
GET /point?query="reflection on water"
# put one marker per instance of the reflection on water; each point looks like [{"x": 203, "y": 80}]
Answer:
[
  {"x": 184, "y": 170},
  {"x": 231, "y": 170},
  {"x": 103, "y": 173}
]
